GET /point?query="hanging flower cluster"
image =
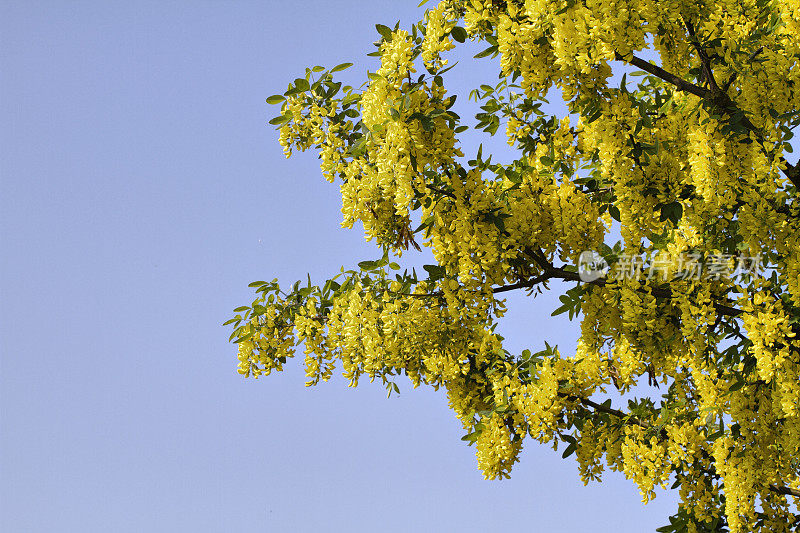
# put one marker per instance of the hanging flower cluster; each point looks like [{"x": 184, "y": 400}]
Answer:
[{"x": 684, "y": 155}]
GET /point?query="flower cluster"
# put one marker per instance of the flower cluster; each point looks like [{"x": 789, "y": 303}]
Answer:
[{"x": 687, "y": 162}]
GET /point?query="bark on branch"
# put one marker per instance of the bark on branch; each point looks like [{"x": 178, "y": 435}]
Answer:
[
  {"x": 552, "y": 272},
  {"x": 787, "y": 491},
  {"x": 716, "y": 97}
]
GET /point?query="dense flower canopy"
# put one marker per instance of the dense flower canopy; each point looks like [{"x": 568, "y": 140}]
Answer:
[{"x": 687, "y": 158}]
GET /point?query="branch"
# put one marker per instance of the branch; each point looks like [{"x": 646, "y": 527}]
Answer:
[
  {"x": 551, "y": 271},
  {"x": 523, "y": 284},
  {"x": 655, "y": 70},
  {"x": 716, "y": 98},
  {"x": 735, "y": 74},
  {"x": 704, "y": 59},
  {"x": 418, "y": 295},
  {"x": 608, "y": 410},
  {"x": 792, "y": 172},
  {"x": 787, "y": 491},
  {"x": 441, "y": 191}
]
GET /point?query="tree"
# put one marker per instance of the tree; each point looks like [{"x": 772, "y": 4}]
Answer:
[{"x": 695, "y": 309}]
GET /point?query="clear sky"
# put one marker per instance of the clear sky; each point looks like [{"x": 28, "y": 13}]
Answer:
[{"x": 142, "y": 190}]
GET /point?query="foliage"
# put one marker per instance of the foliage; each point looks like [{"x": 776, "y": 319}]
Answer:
[{"x": 684, "y": 159}]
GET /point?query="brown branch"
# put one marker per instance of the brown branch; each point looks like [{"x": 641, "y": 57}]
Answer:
[
  {"x": 705, "y": 61},
  {"x": 441, "y": 191},
  {"x": 418, "y": 295},
  {"x": 787, "y": 491},
  {"x": 608, "y": 410},
  {"x": 655, "y": 70},
  {"x": 551, "y": 271},
  {"x": 735, "y": 74},
  {"x": 792, "y": 172},
  {"x": 523, "y": 284},
  {"x": 717, "y": 98}
]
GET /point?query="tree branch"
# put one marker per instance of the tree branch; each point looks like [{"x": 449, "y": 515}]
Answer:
[
  {"x": 787, "y": 491},
  {"x": 717, "y": 98},
  {"x": 523, "y": 284},
  {"x": 655, "y": 70},
  {"x": 733, "y": 76},
  {"x": 441, "y": 191},
  {"x": 705, "y": 61},
  {"x": 551, "y": 272},
  {"x": 608, "y": 410}
]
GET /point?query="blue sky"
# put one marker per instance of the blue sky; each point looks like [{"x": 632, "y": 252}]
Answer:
[{"x": 142, "y": 190}]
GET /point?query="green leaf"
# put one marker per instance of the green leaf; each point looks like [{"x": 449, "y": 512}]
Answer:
[
  {"x": 672, "y": 211},
  {"x": 736, "y": 386},
  {"x": 276, "y": 99},
  {"x": 350, "y": 98},
  {"x": 489, "y": 51},
  {"x": 470, "y": 437},
  {"x": 435, "y": 272},
  {"x": 569, "y": 451},
  {"x": 281, "y": 119},
  {"x": 567, "y": 7},
  {"x": 302, "y": 84},
  {"x": 385, "y": 31},
  {"x": 368, "y": 265},
  {"x": 459, "y": 34},
  {"x": 240, "y": 339},
  {"x": 341, "y": 66}
]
